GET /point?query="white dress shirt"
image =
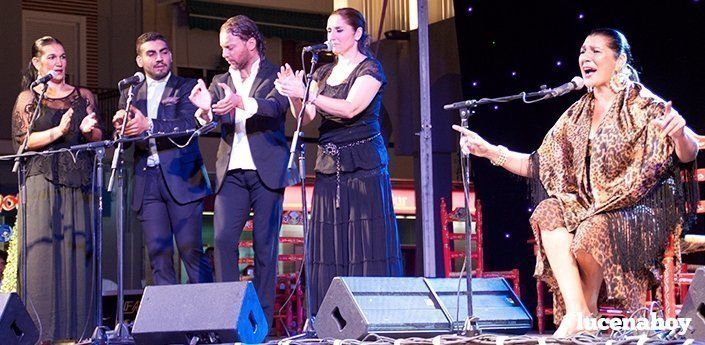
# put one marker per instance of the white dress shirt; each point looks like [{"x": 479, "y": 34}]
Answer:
[
  {"x": 155, "y": 90},
  {"x": 240, "y": 155}
]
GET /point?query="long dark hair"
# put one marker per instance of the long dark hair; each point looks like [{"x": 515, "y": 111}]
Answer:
[
  {"x": 618, "y": 43},
  {"x": 30, "y": 73},
  {"x": 355, "y": 19}
]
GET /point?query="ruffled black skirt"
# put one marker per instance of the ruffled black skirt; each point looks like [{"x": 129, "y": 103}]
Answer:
[{"x": 360, "y": 237}]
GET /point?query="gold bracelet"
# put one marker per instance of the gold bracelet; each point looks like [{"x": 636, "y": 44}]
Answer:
[{"x": 502, "y": 158}]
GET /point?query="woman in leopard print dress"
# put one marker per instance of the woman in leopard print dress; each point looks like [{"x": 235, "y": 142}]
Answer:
[{"x": 613, "y": 190}]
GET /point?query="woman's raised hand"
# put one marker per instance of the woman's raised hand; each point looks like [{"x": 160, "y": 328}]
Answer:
[{"x": 471, "y": 143}]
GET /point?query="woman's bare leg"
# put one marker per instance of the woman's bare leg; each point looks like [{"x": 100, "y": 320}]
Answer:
[
  {"x": 556, "y": 245},
  {"x": 592, "y": 277}
]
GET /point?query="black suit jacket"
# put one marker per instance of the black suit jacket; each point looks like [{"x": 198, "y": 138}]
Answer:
[
  {"x": 182, "y": 168},
  {"x": 265, "y": 130}
]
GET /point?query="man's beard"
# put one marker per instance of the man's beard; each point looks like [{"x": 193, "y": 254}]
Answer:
[
  {"x": 239, "y": 65},
  {"x": 160, "y": 75}
]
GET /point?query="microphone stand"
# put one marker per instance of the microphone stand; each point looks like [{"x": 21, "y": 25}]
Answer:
[
  {"x": 21, "y": 169},
  {"x": 544, "y": 93},
  {"x": 121, "y": 334},
  {"x": 470, "y": 326},
  {"x": 99, "y": 148},
  {"x": 308, "y": 330}
]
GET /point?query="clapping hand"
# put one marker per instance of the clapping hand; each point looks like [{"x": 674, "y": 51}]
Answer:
[
  {"x": 227, "y": 105},
  {"x": 290, "y": 83},
  {"x": 200, "y": 96},
  {"x": 65, "y": 124},
  {"x": 89, "y": 123},
  {"x": 136, "y": 124}
]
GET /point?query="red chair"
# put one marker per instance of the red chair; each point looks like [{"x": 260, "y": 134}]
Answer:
[
  {"x": 291, "y": 318},
  {"x": 450, "y": 254},
  {"x": 689, "y": 244},
  {"x": 543, "y": 310}
]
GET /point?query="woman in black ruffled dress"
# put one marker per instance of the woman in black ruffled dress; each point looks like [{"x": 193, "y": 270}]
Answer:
[{"x": 353, "y": 226}]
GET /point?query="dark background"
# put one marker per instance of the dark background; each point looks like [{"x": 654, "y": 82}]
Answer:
[{"x": 540, "y": 42}]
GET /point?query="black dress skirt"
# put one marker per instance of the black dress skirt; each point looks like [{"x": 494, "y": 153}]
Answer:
[{"x": 353, "y": 226}]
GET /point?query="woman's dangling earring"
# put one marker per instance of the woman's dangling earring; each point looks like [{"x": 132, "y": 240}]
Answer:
[{"x": 619, "y": 80}]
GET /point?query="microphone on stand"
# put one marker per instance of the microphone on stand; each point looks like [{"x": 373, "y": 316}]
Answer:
[
  {"x": 44, "y": 79},
  {"x": 135, "y": 79},
  {"x": 325, "y": 46},
  {"x": 206, "y": 128},
  {"x": 574, "y": 84}
]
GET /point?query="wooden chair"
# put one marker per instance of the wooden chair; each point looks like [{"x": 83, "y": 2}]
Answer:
[
  {"x": 291, "y": 318},
  {"x": 450, "y": 254},
  {"x": 689, "y": 244}
]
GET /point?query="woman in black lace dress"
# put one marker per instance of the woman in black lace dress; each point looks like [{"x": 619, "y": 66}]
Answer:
[
  {"x": 353, "y": 226},
  {"x": 59, "y": 212}
]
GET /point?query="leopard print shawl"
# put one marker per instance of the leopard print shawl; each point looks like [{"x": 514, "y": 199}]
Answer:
[{"x": 626, "y": 172}]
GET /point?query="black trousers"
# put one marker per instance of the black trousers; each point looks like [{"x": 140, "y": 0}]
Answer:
[
  {"x": 162, "y": 219},
  {"x": 241, "y": 192}
]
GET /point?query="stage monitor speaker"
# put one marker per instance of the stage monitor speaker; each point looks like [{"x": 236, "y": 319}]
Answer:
[
  {"x": 16, "y": 326},
  {"x": 694, "y": 306},
  {"x": 213, "y": 312},
  {"x": 494, "y": 304},
  {"x": 415, "y": 307}
]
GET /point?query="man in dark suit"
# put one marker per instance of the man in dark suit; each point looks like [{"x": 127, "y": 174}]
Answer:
[
  {"x": 251, "y": 171},
  {"x": 170, "y": 179}
]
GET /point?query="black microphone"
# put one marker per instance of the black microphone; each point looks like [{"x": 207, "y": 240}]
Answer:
[
  {"x": 44, "y": 79},
  {"x": 574, "y": 84},
  {"x": 325, "y": 46},
  {"x": 135, "y": 79},
  {"x": 206, "y": 128}
]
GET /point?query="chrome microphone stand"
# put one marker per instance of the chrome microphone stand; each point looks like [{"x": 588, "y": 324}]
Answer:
[
  {"x": 308, "y": 330},
  {"x": 21, "y": 169},
  {"x": 120, "y": 334}
]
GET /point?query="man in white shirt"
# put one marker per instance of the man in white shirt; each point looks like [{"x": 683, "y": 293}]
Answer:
[
  {"x": 170, "y": 179},
  {"x": 251, "y": 172}
]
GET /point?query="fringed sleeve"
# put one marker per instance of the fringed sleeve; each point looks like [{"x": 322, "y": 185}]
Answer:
[
  {"x": 537, "y": 192},
  {"x": 691, "y": 194},
  {"x": 641, "y": 232}
]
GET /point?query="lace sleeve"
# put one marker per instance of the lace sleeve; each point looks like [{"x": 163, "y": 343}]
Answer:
[
  {"x": 373, "y": 68},
  {"x": 322, "y": 72},
  {"x": 21, "y": 114},
  {"x": 92, "y": 106}
]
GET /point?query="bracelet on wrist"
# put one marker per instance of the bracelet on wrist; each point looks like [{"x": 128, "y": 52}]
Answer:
[{"x": 502, "y": 155}]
